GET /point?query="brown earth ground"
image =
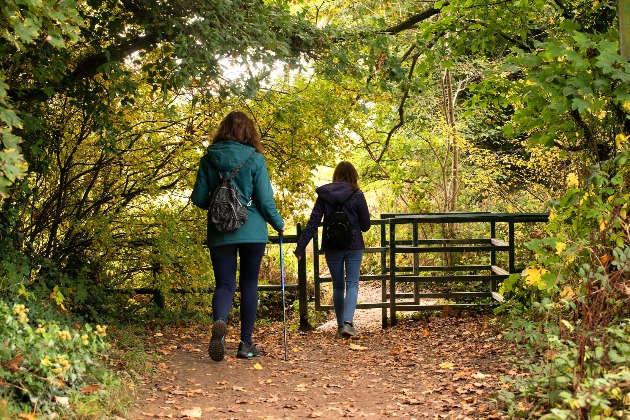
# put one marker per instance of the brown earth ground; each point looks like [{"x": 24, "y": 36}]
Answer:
[{"x": 444, "y": 366}]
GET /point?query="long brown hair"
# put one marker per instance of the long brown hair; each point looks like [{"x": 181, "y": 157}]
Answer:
[
  {"x": 237, "y": 126},
  {"x": 345, "y": 172}
]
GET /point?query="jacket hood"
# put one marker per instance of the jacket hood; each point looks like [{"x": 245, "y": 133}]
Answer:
[
  {"x": 334, "y": 193},
  {"x": 227, "y": 155}
]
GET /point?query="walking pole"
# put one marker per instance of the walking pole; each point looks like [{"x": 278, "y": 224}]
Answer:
[{"x": 284, "y": 306}]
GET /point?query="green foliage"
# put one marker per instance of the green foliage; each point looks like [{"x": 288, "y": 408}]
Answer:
[
  {"x": 21, "y": 23},
  {"x": 577, "y": 330},
  {"x": 49, "y": 361}
]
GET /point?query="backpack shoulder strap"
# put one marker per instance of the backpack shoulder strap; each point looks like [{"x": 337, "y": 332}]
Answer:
[
  {"x": 234, "y": 171},
  {"x": 349, "y": 197},
  {"x": 238, "y": 168}
]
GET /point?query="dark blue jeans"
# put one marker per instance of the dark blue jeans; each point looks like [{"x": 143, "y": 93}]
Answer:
[{"x": 224, "y": 264}]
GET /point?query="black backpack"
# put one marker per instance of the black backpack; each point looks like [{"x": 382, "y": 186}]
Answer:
[
  {"x": 226, "y": 212},
  {"x": 337, "y": 227}
]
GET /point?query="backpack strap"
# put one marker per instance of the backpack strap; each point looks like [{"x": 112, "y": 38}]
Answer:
[
  {"x": 235, "y": 170},
  {"x": 238, "y": 168},
  {"x": 349, "y": 197}
]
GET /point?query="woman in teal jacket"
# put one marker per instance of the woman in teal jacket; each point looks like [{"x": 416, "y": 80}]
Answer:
[{"x": 232, "y": 144}]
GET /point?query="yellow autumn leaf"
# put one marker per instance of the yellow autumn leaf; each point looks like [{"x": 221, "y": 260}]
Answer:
[
  {"x": 567, "y": 292},
  {"x": 258, "y": 366},
  {"x": 560, "y": 246},
  {"x": 533, "y": 275},
  {"x": 572, "y": 180},
  {"x": 620, "y": 138},
  {"x": 446, "y": 365}
]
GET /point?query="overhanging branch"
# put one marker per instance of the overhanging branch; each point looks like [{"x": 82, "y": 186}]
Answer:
[{"x": 413, "y": 20}]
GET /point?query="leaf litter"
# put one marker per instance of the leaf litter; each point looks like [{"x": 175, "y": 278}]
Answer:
[{"x": 425, "y": 367}]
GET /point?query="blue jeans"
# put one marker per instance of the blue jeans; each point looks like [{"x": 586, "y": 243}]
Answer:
[
  {"x": 350, "y": 260},
  {"x": 224, "y": 265}
]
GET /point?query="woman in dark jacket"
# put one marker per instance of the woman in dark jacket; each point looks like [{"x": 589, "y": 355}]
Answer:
[
  {"x": 233, "y": 143},
  {"x": 345, "y": 184}
]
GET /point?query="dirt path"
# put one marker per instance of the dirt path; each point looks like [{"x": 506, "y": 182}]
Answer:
[{"x": 438, "y": 367}]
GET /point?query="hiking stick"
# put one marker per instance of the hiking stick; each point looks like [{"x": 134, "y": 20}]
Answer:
[{"x": 284, "y": 306}]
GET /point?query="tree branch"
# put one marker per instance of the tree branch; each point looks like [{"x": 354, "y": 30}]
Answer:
[
  {"x": 88, "y": 67},
  {"x": 401, "y": 110},
  {"x": 413, "y": 20}
]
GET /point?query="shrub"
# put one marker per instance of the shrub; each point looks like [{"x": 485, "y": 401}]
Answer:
[
  {"x": 44, "y": 362},
  {"x": 573, "y": 310}
]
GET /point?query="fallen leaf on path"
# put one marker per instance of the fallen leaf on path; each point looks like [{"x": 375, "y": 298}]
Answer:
[
  {"x": 178, "y": 392},
  {"x": 479, "y": 375},
  {"x": 258, "y": 366},
  {"x": 446, "y": 365},
  {"x": 315, "y": 414},
  {"x": 27, "y": 416},
  {"x": 301, "y": 388},
  {"x": 357, "y": 347},
  {"x": 193, "y": 412}
]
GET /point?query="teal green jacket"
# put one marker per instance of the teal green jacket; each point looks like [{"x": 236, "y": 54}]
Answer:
[{"x": 253, "y": 183}]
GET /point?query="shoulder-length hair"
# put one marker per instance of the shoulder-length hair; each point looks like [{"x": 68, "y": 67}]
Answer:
[
  {"x": 345, "y": 172},
  {"x": 237, "y": 126}
]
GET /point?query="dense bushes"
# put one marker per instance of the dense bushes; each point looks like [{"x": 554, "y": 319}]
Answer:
[
  {"x": 44, "y": 362},
  {"x": 572, "y": 305}
]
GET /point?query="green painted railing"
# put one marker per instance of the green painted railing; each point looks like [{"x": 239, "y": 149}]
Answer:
[{"x": 391, "y": 245}]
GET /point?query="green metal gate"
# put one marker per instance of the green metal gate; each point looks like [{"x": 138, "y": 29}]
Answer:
[{"x": 393, "y": 243}]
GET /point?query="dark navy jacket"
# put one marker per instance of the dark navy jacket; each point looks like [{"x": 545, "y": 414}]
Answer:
[{"x": 356, "y": 209}]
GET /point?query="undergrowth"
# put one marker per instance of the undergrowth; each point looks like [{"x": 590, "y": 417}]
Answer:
[{"x": 571, "y": 307}]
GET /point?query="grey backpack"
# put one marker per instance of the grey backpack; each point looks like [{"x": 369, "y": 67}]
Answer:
[{"x": 226, "y": 212}]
